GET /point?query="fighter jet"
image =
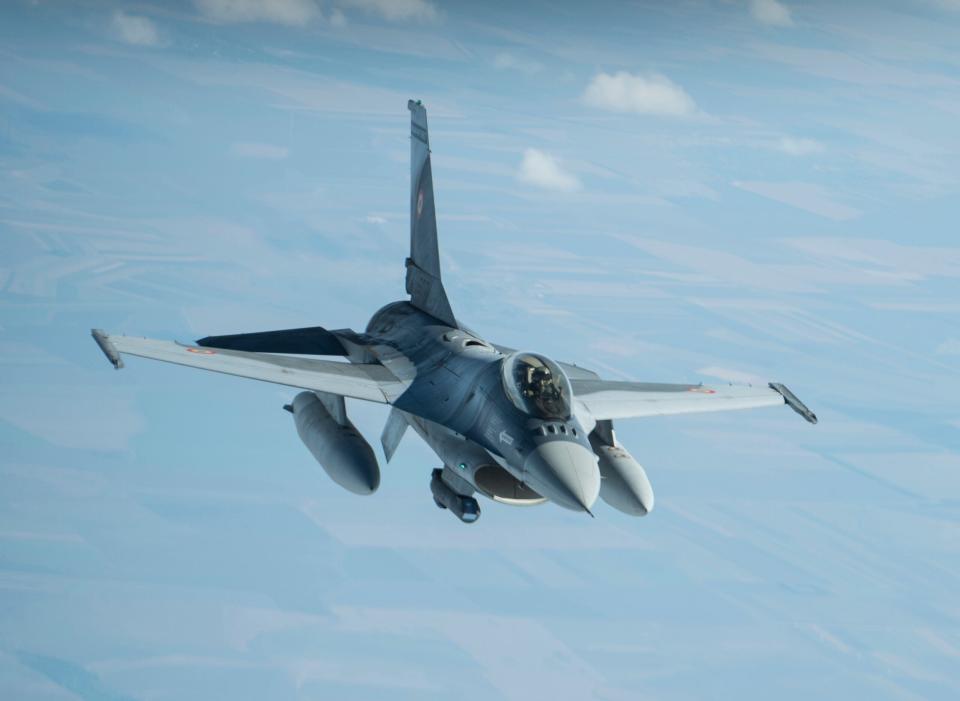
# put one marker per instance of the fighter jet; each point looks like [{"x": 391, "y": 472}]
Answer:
[{"x": 513, "y": 426}]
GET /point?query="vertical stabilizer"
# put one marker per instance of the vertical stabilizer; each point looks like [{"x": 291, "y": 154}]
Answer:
[{"x": 423, "y": 266}]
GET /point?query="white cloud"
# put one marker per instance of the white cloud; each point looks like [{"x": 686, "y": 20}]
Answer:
[
  {"x": 252, "y": 149},
  {"x": 375, "y": 219},
  {"x": 135, "y": 30},
  {"x": 337, "y": 18},
  {"x": 294, "y": 13},
  {"x": 396, "y": 10},
  {"x": 505, "y": 61},
  {"x": 545, "y": 171},
  {"x": 642, "y": 94},
  {"x": 949, "y": 347},
  {"x": 799, "y": 147},
  {"x": 771, "y": 12}
]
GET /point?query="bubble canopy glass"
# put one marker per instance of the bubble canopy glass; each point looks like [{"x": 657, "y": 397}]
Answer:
[{"x": 536, "y": 385}]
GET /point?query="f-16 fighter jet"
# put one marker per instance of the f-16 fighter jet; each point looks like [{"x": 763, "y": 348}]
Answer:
[{"x": 513, "y": 426}]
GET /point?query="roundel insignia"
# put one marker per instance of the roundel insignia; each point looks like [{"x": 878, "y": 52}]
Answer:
[
  {"x": 702, "y": 390},
  {"x": 419, "y": 203},
  {"x": 201, "y": 351}
]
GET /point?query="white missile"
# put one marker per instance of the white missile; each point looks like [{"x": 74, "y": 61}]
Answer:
[
  {"x": 624, "y": 484},
  {"x": 335, "y": 442}
]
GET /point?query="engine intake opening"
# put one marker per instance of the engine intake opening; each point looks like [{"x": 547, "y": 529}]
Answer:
[{"x": 501, "y": 486}]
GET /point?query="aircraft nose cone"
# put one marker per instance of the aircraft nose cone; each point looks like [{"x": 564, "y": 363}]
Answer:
[{"x": 566, "y": 473}]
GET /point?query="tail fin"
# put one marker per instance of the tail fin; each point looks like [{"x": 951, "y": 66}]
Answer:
[{"x": 423, "y": 265}]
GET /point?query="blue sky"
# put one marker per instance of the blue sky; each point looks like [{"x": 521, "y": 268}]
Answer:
[{"x": 695, "y": 191}]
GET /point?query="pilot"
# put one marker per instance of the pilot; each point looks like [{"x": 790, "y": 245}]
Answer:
[
  {"x": 542, "y": 384},
  {"x": 527, "y": 384},
  {"x": 535, "y": 378}
]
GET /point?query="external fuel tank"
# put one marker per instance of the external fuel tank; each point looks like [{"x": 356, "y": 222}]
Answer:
[
  {"x": 335, "y": 442},
  {"x": 624, "y": 484}
]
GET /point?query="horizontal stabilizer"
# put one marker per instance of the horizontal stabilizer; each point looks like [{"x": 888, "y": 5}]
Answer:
[{"x": 313, "y": 340}]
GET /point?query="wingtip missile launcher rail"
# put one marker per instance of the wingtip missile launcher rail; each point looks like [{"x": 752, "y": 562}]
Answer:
[
  {"x": 793, "y": 401},
  {"x": 106, "y": 345}
]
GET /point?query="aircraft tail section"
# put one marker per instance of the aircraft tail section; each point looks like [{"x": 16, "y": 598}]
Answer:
[{"x": 423, "y": 266}]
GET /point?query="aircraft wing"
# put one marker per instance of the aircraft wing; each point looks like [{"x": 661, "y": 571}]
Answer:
[
  {"x": 606, "y": 399},
  {"x": 370, "y": 382}
]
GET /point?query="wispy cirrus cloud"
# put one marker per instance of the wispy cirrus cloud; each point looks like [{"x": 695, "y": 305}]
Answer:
[
  {"x": 254, "y": 149},
  {"x": 135, "y": 30},
  {"x": 731, "y": 375},
  {"x": 916, "y": 261},
  {"x": 509, "y": 62},
  {"x": 847, "y": 67},
  {"x": 806, "y": 196},
  {"x": 799, "y": 146},
  {"x": 640, "y": 93},
  {"x": 298, "y": 89},
  {"x": 771, "y": 12},
  {"x": 545, "y": 171},
  {"x": 397, "y": 10},
  {"x": 294, "y": 13}
]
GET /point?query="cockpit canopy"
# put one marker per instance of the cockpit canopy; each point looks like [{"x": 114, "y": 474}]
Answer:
[{"x": 537, "y": 386}]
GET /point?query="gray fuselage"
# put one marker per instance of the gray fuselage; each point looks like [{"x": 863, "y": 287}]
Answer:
[{"x": 457, "y": 397}]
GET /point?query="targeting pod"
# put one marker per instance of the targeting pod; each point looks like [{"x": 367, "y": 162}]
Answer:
[{"x": 463, "y": 507}]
